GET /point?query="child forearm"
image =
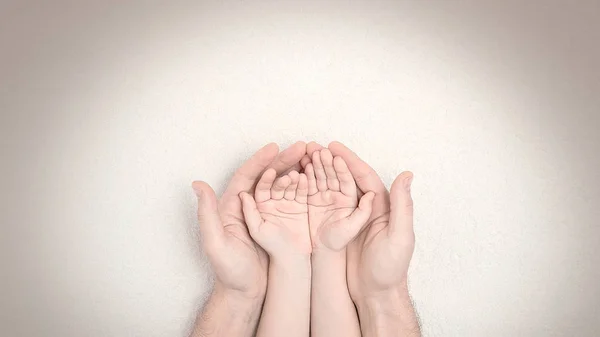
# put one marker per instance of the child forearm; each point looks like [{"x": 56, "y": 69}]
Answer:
[
  {"x": 332, "y": 310},
  {"x": 287, "y": 304}
]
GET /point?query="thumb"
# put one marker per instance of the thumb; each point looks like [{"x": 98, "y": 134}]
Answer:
[
  {"x": 209, "y": 220},
  {"x": 358, "y": 219},
  {"x": 401, "y": 209},
  {"x": 251, "y": 213}
]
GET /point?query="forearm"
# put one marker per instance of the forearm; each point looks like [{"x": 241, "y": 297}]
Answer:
[
  {"x": 228, "y": 313},
  {"x": 389, "y": 313},
  {"x": 332, "y": 310},
  {"x": 287, "y": 304}
]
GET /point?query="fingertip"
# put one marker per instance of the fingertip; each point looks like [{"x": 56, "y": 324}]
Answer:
[
  {"x": 269, "y": 176},
  {"x": 197, "y": 186},
  {"x": 283, "y": 182},
  {"x": 313, "y": 146},
  {"x": 316, "y": 156},
  {"x": 339, "y": 164},
  {"x": 300, "y": 143},
  {"x": 204, "y": 192},
  {"x": 270, "y": 172},
  {"x": 294, "y": 175},
  {"x": 408, "y": 180},
  {"x": 287, "y": 180},
  {"x": 296, "y": 150},
  {"x": 334, "y": 143},
  {"x": 268, "y": 152},
  {"x": 367, "y": 199},
  {"x": 271, "y": 147},
  {"x": 403, "y": 182},
  {"x": 299, "y": 146}
]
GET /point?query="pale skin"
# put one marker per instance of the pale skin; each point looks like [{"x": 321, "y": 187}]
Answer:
[
  {"x": 240, "y": 265},
  {"x": 335, "y": 218},
  {"x": 378, "y": 258},
  {"x": 277, "y": 218}
]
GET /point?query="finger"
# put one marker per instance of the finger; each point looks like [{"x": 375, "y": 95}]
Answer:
[
  {"x": 311, "y": 179},
  {"x": 311, "y": 147},
  {"x": 251, "y": 213},
  {"x": 347, "y": 184},
  {"x": 304, "y": 161},
  {"x": 279, "y": 187},
  {"x": 245, "y": 177},
  {"x": 209, "y": 221},
  {"x": 319, "y": 171},
  {"x": 401, "y": 207},
  {"x": 360, "y": 217},
  {"x": 290, "y": 191},
  {"x": 297, "y": 167},
  {"x": 289, "y": 158},
  {"x": 263, "y": 188},
  {"x": 332, "y": 179},
  {"x": 366, "y": 178},
  {"x": 302, "y": 192}
]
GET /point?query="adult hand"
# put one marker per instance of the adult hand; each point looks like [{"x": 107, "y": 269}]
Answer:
[
  {"x": 379, "y": 257},
  {"x": 239, "y": 264}
]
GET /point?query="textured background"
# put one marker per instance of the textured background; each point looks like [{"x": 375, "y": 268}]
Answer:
[{"x": 110, "y": 109}]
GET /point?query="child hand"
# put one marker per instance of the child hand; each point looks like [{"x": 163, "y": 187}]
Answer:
[
  {"x": 277, "y": 216},
  {"x": 334, "y": 218}
]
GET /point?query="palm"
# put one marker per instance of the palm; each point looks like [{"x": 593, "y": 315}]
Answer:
[
  {"x": 332, "y": 201},
  {"x": 380, "y": 256},
  {"x": 329, "y": 213},
  {"x": 286, "y": 219},
  {"x": 245, "y": 261},
  {"x": 277, "y": 216},
  {"x": 375, "y": 260}
]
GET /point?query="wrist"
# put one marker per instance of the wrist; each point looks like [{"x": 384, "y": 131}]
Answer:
[
  {"x": 236, "y": 299},
  {"x": 298, "y": 265},
  {"x": 328, "y": 255},
  {"x": 383, "y": 300},
  {"x": 392, "y": 308},
  {"x": 331, "y": 263}
]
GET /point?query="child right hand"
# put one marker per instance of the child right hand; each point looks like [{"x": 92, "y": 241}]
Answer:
[{"x": 335, "y": 214}]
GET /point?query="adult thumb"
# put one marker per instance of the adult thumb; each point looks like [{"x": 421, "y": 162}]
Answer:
[
  {"x": 401, "y": 209},
  {"x": 209, "y": 220}
]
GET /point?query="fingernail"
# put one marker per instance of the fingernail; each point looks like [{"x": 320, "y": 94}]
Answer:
[
  {"x": 408, "y": 182},
  {"x": 198, "y": 192}
]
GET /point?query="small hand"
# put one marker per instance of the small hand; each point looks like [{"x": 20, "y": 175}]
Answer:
[
  {"x": 379, "y": 257},
  {"x": 277, "y": 216},
  {"x": 239, "y": 264},
  {"x": 335, "y": 215}
]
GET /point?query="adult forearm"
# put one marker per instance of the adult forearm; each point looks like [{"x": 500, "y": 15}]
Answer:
[
  {"x": 287, "y": 304},
  {"x": 390, "y": 313},
  {"x": 332, "y": 310},
  {"x": 228, "y": 313}
]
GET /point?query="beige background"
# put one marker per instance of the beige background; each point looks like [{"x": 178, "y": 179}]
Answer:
[{"x": 110, "y": 109}]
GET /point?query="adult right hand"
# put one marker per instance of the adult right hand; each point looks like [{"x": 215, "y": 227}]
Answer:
[{"x": 379, "y": 257}]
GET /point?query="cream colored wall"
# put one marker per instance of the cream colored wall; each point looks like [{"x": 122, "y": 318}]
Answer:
[{"x": 109, "y": 112}]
